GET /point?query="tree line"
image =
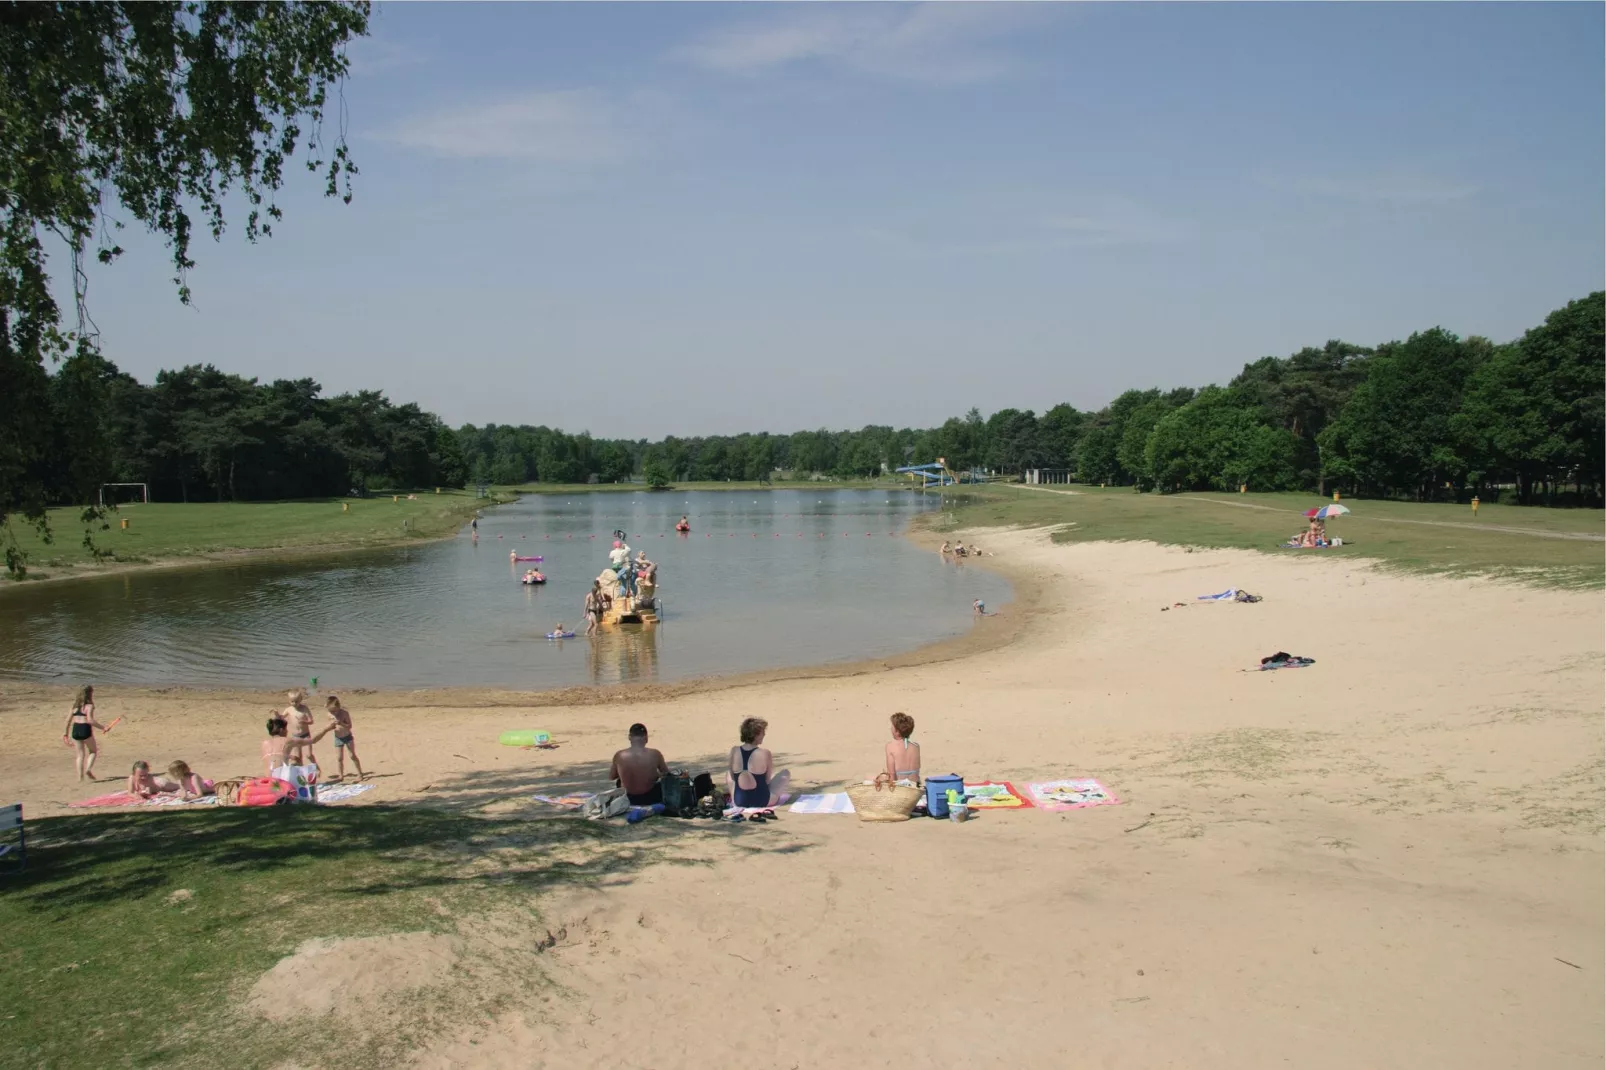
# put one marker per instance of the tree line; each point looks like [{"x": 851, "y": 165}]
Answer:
[{"x": 1433, "y": 416}]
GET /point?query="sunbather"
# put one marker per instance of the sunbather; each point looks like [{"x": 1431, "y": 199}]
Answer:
[
  {"x": 191, "y": 784},
  {"x": 637, "y": 769},
  {"x": 903, "y": 754},
  {"x": 142, "y": 783},
  {"x": 754, "y": 784}
]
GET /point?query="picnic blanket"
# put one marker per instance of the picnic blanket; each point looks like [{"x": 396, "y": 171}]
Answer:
[
  {"x": 572, "y": 801},
  {"x": 835, "y": 802},
  {"x": 994, "y": 795},
  {"x": 123, "y": 798},
  {"x": 1070, "y": 794},
  {"x": 335, "y": 793}
]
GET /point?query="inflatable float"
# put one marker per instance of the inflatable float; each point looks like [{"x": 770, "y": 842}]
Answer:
[
  {"x": 560, "y": 635},
  {"x": 524, "y": 737},
  {"x": 537, "y": 557},
  {"x": 533, "y": 581}
]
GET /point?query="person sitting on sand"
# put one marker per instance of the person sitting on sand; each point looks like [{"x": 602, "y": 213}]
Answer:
[
  {"x": 190, "y": 783},
  {"x": 959, "y": 549},
  {"x": 145, "y": 785},
  {"x": 947, "y": 548},
  {"x": 751, "y": 768},
  {"x": 637, "y": 769},
  {"x": 903, "y": 754},
  {"x": 299, "y": 720},
  {"x": 275, "y": 749}
]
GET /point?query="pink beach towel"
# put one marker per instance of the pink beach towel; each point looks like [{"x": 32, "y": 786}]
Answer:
[
  {"x": 994, "y": 795},
  {"x": 1071, "y": 794},
  {"x": 116, "y": 798}
]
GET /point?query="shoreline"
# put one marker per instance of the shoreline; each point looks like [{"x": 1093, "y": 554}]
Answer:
[{"x": 1008, "y": 623}]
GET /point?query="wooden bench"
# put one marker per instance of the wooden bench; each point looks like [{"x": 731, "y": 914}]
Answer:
[{"x": 11, "y": 818}]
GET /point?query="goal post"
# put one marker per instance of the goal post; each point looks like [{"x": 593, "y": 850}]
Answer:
[{"x": 125, "y": 492}]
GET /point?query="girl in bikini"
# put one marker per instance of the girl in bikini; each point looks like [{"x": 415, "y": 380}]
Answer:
[
  {"x": 903, "y": 755},
  {"x": 143, "y": 783},
  {"x": 190, "y": 783},
  {"x": 299, "y": 739},
  {"x": 80, "y": 730}
]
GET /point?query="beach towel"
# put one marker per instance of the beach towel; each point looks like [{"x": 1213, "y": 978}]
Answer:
[
  {"x": 994, "y": 795},
  {"x": 835, "y": 802},
  {"x": 1225, "y": 596},
  {"x": 1070, "y": 794},
  {"x": 572, "y": 801},
  {"x": 123, "y": 798},
  {"x": 337, "y": 793},
  {"x": 116, "y": 798}
]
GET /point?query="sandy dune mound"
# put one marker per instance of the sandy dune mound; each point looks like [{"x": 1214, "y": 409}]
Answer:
[{"x": 351, "y": 977}]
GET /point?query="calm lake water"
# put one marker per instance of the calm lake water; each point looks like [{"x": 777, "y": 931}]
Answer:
[{"x": 778, "y": 579}]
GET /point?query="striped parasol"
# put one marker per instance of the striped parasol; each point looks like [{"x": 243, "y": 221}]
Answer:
[{"x": 1326, "y": 511}]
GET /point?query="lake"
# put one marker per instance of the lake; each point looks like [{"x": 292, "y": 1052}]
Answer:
[{"x": 781, "y": 578}]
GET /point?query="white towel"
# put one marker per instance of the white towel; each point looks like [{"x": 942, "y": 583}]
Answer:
[{"x": 836, "y": 802}]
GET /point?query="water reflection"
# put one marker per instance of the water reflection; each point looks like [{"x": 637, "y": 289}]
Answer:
[{"x": 618, "y": 656}]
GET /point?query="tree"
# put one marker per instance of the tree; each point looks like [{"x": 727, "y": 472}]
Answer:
[
  {"x": 157, "y": 107},
  {"x": 657, "y": 475},
  {"x": 1218, "y": 442}
]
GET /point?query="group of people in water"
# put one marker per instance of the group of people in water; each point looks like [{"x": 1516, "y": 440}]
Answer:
[
  {"x": 959, "y": 549},
  {"x": 750, "y": 777}
]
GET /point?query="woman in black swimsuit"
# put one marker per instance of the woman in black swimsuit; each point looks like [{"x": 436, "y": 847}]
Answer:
[{"x": 80, "y": 731}]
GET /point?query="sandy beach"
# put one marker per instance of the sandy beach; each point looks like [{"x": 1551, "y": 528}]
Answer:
[{"x": 1391, "y": 858}]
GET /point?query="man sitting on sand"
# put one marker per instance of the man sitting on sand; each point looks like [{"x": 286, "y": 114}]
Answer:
[{"x": 637, "y": 769}]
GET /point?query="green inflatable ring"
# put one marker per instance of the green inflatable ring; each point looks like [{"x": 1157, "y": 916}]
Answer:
[{"x": 524, "y": 737}]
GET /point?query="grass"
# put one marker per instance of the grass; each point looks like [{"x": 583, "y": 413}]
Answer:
[
  {"x": 132, "y": 939},
  {"x": 1504, "y": 541},
  {"x": 163, "y": 530}
]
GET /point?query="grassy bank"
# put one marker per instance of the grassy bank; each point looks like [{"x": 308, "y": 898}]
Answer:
[
  {"x": 1547, "y": 547},
  {"x": 164, "y": 531},
  {"x": 135, "y": 939},
  {"x": 740, "y": 484}
]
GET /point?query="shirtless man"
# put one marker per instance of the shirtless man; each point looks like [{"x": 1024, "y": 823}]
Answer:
[{"x": 637, "y": 769}]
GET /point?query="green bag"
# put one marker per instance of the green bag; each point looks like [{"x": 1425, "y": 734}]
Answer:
[{"x": 679, "y": 798}]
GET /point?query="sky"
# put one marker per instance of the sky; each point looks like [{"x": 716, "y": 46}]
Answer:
[{"x": 651, "y": 219}]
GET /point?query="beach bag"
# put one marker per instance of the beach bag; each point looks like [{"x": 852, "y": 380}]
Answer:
[
  {"x": 303, "y": 778},
  {"x": 679, "y": 798},
  {"x": 610, "y": 803},
  {"x": 882, "y": 800},
  {"x": 262, "y": 791},
  {"x": 228, "y": 790}
]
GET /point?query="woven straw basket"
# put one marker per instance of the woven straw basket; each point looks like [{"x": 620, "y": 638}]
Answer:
[{"x": 883, "y": 800}]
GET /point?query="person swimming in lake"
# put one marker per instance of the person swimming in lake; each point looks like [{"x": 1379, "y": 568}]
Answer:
[
  {"x": 754, "y": 783},
  {"x": 903, "y": 754},
  {"x": 80, "y": 730}
]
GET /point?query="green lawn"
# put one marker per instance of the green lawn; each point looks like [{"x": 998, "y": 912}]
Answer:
[
  {"x": 133, "y": 939},
  {"x": 167, "y": 530},
  {"x": 1501, "y": 540}
]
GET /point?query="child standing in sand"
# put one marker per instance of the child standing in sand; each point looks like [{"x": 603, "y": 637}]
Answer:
[
  {"x": 299, "y": 720},
  {"x": 345, "y": 741},
  {"x": 80, "y": 729}
]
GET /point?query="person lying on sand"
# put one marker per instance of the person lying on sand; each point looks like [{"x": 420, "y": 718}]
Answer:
[
  {"x": 190, "y": 783},
  {"x": 903, "y": 754},
  {"x": 143, "y": 784},
  {"x": 751, "y": 766},
  {"x": 637, "y": 769}
]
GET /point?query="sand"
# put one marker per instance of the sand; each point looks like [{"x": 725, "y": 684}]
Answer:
[{"x": 1389, "y": 859}]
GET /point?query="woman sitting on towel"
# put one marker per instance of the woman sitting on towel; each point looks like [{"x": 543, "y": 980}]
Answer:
[
  {"x": 751, "y": 766},
  {"x": 903, "y": 754}
]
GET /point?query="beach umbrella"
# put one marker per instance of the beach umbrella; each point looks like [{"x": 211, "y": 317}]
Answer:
[{"x": 1326, "y": 511}]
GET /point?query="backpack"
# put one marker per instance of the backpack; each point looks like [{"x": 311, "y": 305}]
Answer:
[
  {"x": 680, "y": 800},
  {"x": 610, "y": 803}
]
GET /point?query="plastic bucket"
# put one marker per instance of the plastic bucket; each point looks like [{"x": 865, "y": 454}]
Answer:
[{"x": 937, "y": 789}]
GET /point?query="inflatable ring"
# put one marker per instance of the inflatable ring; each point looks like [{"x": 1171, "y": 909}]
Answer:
[
  {"x": 560, "y": 635},
  {"x": 524, "y": 737}
]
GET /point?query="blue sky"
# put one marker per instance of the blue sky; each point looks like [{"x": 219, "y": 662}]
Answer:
[{"x": 645, "y": 219}]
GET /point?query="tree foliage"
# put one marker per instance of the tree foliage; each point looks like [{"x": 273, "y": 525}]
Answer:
[{"x": 161, "y": 111}]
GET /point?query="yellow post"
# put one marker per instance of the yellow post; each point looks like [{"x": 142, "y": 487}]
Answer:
[
  {"x": 345, "y": 507},
  {"x": 437, "y": 490},
  {"x": 1243, "y": 488},
  {"x": 1335, "y": 495},
  {"x": 395, "y": 497},
  {"x": 1474, "y": 505},
  {"x": 125, "y": 523}
]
